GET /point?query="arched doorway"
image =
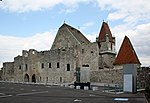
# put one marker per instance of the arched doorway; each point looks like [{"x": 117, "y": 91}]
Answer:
[
  {"x": 33, "y": 78},
  {"x": 26, "y": 78}
]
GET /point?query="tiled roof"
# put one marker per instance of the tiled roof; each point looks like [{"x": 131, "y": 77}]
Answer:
[
  {"x": 127, "y": 54},
  {"x": 105, "y": 30},
  {"x": 76, "y": 33}
]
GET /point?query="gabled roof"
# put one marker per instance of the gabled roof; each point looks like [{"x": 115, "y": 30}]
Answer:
[
  {"x": 76, "y": 33},
  {"x": 105, "y": 30},
  {"x": 127, "y": 54}
]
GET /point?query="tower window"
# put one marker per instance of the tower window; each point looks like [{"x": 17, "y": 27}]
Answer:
[{"x": 68, "y": 67}]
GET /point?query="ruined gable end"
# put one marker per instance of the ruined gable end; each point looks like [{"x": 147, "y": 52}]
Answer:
[{"x": 68, "y": 36}]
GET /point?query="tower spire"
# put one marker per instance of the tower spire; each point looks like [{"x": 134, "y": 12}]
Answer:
[
  {"x": 126, "y": 54},
  {"x": 105, "y": 31}
]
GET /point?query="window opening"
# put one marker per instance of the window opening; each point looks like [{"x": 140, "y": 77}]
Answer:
[
  {"x": 49, "y": 65},
  {"x": 42, "y": 65},
  {"x": 57, "y": 64},
  {"x": 68, "y": 67}
]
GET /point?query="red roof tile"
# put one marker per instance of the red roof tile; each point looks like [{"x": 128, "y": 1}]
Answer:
[
  {"x": 105, "y": 30},
  {"x": 126, "y": 54}
]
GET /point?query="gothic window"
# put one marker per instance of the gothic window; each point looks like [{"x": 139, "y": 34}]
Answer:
[
  {"x": 57, "y": 64},
  {"x": 68, "y": 67},
  {"x": 42, "y": 66}
]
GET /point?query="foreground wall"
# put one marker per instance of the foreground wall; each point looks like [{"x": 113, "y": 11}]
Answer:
[
  {"x": 114, "y": 76},
  {"x": 8, "y": 71}
]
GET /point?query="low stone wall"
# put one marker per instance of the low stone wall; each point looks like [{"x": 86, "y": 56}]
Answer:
[{"x": 114, "y": 76}]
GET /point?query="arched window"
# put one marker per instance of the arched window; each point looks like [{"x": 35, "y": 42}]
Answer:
[{"x": 26, "y": 78}]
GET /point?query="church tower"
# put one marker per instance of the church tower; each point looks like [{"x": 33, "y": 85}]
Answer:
[{"x": 106, "y": 43}]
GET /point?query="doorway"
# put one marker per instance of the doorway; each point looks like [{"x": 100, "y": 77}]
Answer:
[
  {"x": 26, "y": 78},
  {"x": 33, "y": 78}
]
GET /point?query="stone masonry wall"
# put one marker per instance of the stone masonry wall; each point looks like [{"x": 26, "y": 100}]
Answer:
[
  {"x": 8, "y": 71},
  {"x": 107, "y": 76},
  {"x": 88, "y": 55}
]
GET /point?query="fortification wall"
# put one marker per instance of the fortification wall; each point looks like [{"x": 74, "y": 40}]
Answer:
[
  {"x": 8, "y": 71},
  {"x": 114, "y": 76}
]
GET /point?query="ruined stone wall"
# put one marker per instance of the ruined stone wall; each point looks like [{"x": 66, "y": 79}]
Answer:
[
  {"x": 59, "y": 64},
  {"x": 88, "y": 55},
  {"x": 33, "y": 65},
  {"x": 8, "y": 71},
  {"x": 1, "y": 74},
  {"x": 114, "y": 76},
  {"x": 30, "y": 63},
  {"x": 83, "y": 55},
  {"x": 58, "y": 59},
  {"x": 108, "y": 59},
  {"x": 64, "y": 38},
  {"x": 18, "y": 69}
]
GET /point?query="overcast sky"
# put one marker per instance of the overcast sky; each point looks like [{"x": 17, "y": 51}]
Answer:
[{"x": 33, "y": 24}]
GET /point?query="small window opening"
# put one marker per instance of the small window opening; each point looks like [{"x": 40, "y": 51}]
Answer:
[
  {"x": 40, "y": 78},
  {"x": 42, "y": 65},
  {"x": 68, "y": 67},
  {"x": 57, "y": 64},
  {"x": 47, "y": 79},
  {"x": 82, "y": 51},
  {"x": 20, "y": 67},
  {"x": 26, "y": 67},
  {"x": 60, "y": 79},
  {"x": 49, "y": 65}
]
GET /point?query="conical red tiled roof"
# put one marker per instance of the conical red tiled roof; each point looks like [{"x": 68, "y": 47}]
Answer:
[
  {"x": 126, "y": 54},
  {"x": 105, "y": 30}
]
